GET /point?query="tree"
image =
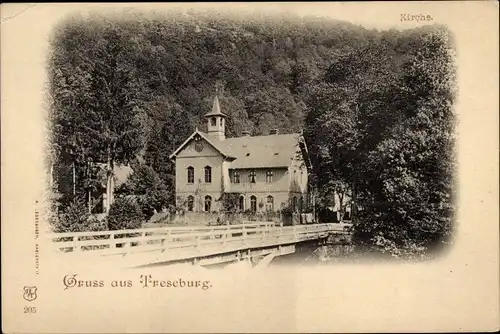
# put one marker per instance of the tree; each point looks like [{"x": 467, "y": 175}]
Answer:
[
  {"x": 107, "y": 75},
  {"x": 375, "y": 106},
  {"x": 98, "y": 114},
  {"x": 165, "y": 138},
  {"x": 382, "y": 124},
  {"x": 148, "y": 188},
  {"x": 125, "y": 214},
  {"x": 76, "y": 218},
  {"x": 414, "y": 205}
]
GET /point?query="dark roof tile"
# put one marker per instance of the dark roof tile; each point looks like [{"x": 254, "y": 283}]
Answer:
[{"x": 263, "y": 151}]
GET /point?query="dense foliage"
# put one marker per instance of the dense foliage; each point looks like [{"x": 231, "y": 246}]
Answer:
[
  {"x": 76, "y": 218},
  {"x": 230, "y": 202},
  {"x": 125, "y": 214},
  {"x": 108, "y": 76},
  {"x": 149, "y": 190},
  {"x": 375, "y": 106},
  {"x": 381, "y": 126}
]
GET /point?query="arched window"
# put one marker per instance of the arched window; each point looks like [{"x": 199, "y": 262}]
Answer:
[
  {"x": 294, "y": 203},
  {"x": 269, "y": 176},
  {"x": 270, "y": 203},
  {"x": 242, "y": 203},
  {"x": 213, "y": 121},
  {"x": 253, "y": 203},
  {"x": 301, "y": 204},
  {"x": 208, "y": 203},
  {"x": 190, "y": 171},
  {"x": 190, "y": 203},
  {"x": 208, "y": 174}
]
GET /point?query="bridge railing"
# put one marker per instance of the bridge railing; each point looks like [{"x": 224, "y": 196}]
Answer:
[{"x": 194, "y": 237}]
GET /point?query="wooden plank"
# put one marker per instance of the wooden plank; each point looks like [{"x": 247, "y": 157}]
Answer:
[
  {"x": 174, "y": 229},
  {"x": 217, "y": 238}
]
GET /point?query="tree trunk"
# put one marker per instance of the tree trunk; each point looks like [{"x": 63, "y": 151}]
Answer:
[
  {"x": 111, "y": 186},
  {"x": 355, "y": 173},
  {"x": 89, "y": 190},
  {"x": 314, "y": 204},
  {"x": 353, "y": 202},
  {"x": 109, "y": 181},
  {"x": 74, "y": 178},
  {"x": 90, "y": 201},
  {"x": 51, "y": 175},
  {"x": 341, "y": 205}
]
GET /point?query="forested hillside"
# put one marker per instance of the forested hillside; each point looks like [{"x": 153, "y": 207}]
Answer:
[{"x": 375, "y": 106}]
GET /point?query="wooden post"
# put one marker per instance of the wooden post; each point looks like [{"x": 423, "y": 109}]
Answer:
[
  {"x": 166, "y": 240},
  {"x": 76, "y": 248},
  {"x": 244, "y": 235},
  {"x": 226, "y": 236}
]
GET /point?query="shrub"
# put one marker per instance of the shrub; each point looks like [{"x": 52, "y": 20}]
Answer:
[
  {"x": 287, "y": 211},
  {"x": 151, "y": 191},
  {"x": 158, "y": 199},
  {"x": 75, "y": 218},
  {"x": 230, "y": 202},
  {"x": 96, "y": 225},
  {"x": 125, "y": 213}
]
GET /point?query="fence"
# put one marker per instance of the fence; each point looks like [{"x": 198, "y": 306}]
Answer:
[
  {"x": 205, "y": 218},
  {"x": 211, "y": 218},
  {"x": 209, "y": 239}
]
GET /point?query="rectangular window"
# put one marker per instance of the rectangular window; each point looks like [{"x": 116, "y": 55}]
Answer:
[
  {"x": 236, "y": 177},
  {"x": 251, "y": 176},
  {"x": 269, "y": 176}
]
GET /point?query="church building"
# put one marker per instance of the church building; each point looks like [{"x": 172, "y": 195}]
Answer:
[{"x": 264, "y": 173}]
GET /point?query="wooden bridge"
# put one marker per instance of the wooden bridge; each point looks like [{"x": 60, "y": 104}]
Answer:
[{"x": 203, "y": 245}]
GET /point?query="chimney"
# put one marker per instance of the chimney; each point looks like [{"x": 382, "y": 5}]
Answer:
[
  {"x": 245, "y": 133},
  {"x": 274, "y": 132}
]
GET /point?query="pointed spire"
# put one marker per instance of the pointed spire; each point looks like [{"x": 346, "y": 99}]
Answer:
[{"x": 215, "y": 108}]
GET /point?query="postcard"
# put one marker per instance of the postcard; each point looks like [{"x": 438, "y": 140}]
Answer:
[{"x": 250, "y": 167}]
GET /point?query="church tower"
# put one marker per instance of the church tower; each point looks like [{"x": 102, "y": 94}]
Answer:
[{"x": 216, "y": 121}]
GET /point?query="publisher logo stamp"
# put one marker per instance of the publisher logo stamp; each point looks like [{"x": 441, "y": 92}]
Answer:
[{"x": 29, "y": 293}]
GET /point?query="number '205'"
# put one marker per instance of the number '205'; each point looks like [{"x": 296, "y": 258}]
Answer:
[{"x": 29, "y": 309}]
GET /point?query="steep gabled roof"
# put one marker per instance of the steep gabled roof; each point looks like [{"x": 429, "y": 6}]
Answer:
[
  {"x": 255, "y": 151},
  {"x": 263, "y": 151},
  {"x": 218, "y": 145}
]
